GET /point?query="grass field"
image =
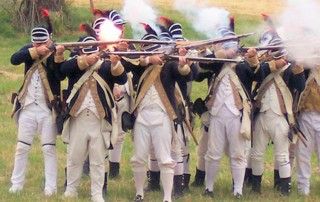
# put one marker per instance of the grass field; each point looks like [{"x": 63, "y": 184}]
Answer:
[{"x": 247, "y": 14}]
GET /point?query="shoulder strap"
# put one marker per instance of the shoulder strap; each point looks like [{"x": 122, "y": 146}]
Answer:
[
  {"x": 287, "y": 97},
  {"x": 29, "y": 73},
  {"x": 105, "y": 88},
  {"x": 266, "y": 82},
  {"x": 225, "y": 69},
  {"x": 147, "y": 84},
  {"x": 83, "y": 78},
  {"x": 145, "y": 73}
]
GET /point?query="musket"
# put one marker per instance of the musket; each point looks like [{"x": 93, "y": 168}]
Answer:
[
  {"x": 267, "y": 48},
  {"x": 206, "y": 60},
  {"x": 69, "y": 45},
  {"x": 105, "y": 54},
  {"x": 295, "y": 133},
  {"x": 215, "y": 41},
  {"x": 187, "y": 122},
  {"x": 281, "y": 46}
]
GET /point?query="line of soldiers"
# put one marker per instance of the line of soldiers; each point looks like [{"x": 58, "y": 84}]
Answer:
[{"x": 100, "y": 94}]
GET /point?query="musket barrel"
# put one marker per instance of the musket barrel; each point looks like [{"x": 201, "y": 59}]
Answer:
[
  {"x": 281, "y": 46},
  {"x": 148, "y": 41},
  {"x": 97, "y": 43},
  {"x": 207, "y": 60},
  {"x": 215, "y": 41},
  {"x": 263, "y": 48},
  {"x": 105, "y": 54}
]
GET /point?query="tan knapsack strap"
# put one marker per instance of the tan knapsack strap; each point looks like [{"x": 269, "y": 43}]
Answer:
[
  {"x": 236, "y": 94},
  {"x": 107, "y": 91},
  {"x": 83, "y": 78},
  {"x": 164, "y": 98},
  {"x": 243, "y": 104},
  {"x": 286, "y": 96},
  {"x": 147, "y": 84},
  {"x": 266, "y": 83},
  {"x": 143, "y": 76},
  {"x": 27, "y": 78},
  {"x": 214, "y": 89},
  {"x": 45, "y": 82}
]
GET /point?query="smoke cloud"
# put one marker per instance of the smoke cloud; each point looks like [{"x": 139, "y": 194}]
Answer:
[
  {"x": 136, "y": 12},
  {"x": 299, "y": 23},
  {"x": 204, "y": 19}
]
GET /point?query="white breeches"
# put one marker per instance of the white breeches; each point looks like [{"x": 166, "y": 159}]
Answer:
[
  {"x": 269, "y": 125},
  {"x": 31, "y": 120},
  {"x": 224, "y": 130},
  {"x": 310, "y": 126},
  {"x": 152, "y": 128},
  {"x": 86, "y": 139}
]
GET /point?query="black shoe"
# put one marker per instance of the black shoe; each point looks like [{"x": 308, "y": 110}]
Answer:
[
  {"x": 199, "y": 178},
  {"x": 208, "y": 193},
  {"x": 138, "y": 198},
  {"x": 186, "y": 180},
  {"x": 285, "y": 186},
  {"x": 256, "y": 183},
  {"x": 238, "y": 196},
  {"x": 248, "y": 177},
  {"x": 153, "y": 181},
  {"x": 177, "y": 186},
  {"x": 114, "y": 168}
]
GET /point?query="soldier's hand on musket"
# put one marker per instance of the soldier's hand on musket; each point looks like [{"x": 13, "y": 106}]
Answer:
[
  {"x": 43, "y": 50},
  {"x": 281, "y": 62},
  {"x": 231, "y": 53},
  {"x": 92, "y": 58},
  {"x": 182, "y": 51},
  {"x": 122, "y": 46},
  {"x": 251, "y": 52},
  {"x": 251, "y": 57},
  {"x": 114, "y": 59},
  {"x": 297, "y": 66},
  {"x": 59, "y": 49},
  {"x": 184, "y": 61},
  {"x": 156, "y": 59}
]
